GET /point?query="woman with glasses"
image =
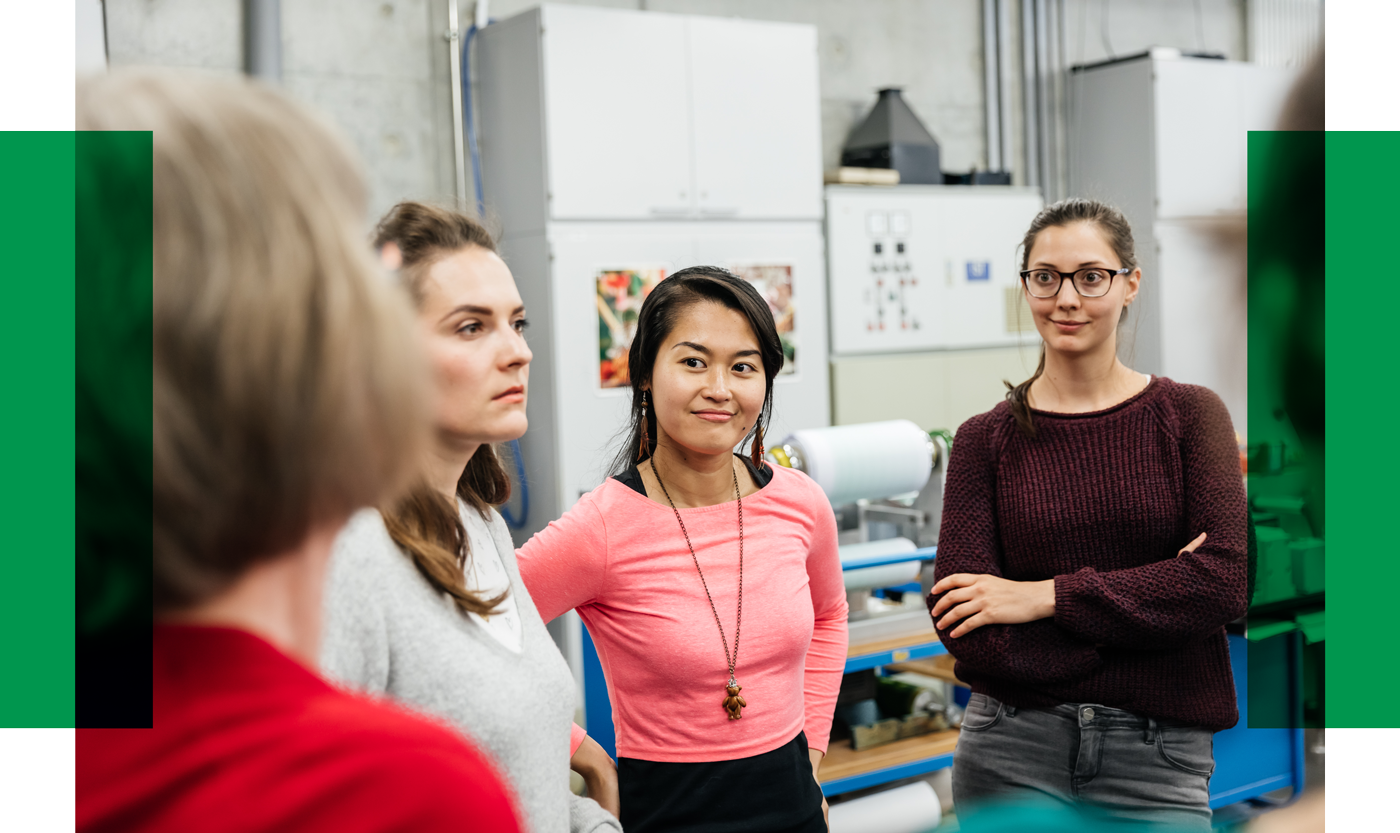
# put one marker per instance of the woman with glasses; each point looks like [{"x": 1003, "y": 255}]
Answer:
[{"x": 1092, "y": 550}]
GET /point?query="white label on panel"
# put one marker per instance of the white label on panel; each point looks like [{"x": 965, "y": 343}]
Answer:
[
  {"x": 877, "y": 223},
  {"x": 899, "y": 223}
]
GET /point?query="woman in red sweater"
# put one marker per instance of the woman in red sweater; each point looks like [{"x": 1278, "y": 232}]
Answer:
[
  {"x": 1092, "y": 550},
  {"x": 289, "y": 388},
  {"x": 709, "y": 582}
]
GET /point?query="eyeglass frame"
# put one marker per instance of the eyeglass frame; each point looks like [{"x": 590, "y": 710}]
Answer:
[{"x": 1025, "y": 276}]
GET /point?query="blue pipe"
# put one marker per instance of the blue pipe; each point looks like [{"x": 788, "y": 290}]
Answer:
[
  {"x": 512, "y": 521},
  {"x": 471, "y": 123}
]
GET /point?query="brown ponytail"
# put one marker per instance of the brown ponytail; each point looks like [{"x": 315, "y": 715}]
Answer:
[
  {"x": 424, "y": 523},
  {"x": 1119, "y": 234}
]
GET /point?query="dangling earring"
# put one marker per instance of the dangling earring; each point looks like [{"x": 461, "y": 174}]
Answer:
[
  {"x": 645, "y": 446},
  {"x": 756, "y": 453}
]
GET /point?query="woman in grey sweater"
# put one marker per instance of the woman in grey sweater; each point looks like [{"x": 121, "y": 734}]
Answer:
[{"x": 424, "y": 602}]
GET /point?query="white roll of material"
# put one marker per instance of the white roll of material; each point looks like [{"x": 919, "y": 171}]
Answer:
[
  {"x": 886, "y": 575},
  {"x": 912, "y": 808},
  {"x": 871, "y": 460}
]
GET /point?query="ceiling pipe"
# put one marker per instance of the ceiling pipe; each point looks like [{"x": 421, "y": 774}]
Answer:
[
  {"x": 262, "y": 40},
  {"x": 1030, "y": 88},
  {"x": 991, "y": 62},
  {"x": 1006, "y": 70},
  {"x": 1045, "y": 99},
  {"x": 454, "y": 46}
]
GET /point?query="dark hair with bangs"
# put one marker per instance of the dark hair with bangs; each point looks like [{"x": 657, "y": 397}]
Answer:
[{"x": 660, "y": 312}]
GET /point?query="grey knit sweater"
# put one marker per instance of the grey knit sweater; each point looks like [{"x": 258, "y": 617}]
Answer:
[{"x": 388, "y": 632}]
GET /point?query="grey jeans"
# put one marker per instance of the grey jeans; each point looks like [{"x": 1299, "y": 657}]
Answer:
[{"x": 1125, "y": 766}]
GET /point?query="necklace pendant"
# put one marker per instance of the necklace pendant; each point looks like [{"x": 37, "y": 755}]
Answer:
[{"x": 734, "y": 703}]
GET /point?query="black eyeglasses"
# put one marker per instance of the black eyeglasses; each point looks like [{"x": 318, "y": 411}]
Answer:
[{"x": 1090, "y": 283}]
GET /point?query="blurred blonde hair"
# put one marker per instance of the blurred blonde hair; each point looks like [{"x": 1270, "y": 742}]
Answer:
[{"x": 289, "y": 387}]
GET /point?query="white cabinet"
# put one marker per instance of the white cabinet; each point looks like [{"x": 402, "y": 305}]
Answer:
[
  {"x": 647, "y": 116},
  {"x": 1165, "y": 138},
  {"x": 1204, "y": 112},
  {"x": 757, "y": 128},
  {"x": 617, "y": 122}
]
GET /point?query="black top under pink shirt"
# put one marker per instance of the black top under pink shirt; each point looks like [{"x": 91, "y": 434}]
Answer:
[{"x": 1102, "y": 502}]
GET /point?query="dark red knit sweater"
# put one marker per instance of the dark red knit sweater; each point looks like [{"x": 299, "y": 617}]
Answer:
[{"x": 1101, "y": 502}]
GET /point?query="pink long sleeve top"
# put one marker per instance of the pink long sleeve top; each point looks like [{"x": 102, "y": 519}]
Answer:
[{"x": 619, "y": 558}]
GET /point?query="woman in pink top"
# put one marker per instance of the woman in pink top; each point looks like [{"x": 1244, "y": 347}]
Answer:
[{"x": 722, "y": 709}]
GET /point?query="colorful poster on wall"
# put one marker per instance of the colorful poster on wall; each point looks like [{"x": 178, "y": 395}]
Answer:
[
  {"x": 621, "y": 292},
  {"x": 774, "y": 282}
]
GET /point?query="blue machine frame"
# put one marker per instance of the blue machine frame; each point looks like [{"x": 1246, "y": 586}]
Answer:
[{"x": 1248, "y": 762}]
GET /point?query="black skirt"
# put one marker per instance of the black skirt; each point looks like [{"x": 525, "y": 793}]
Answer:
[{"x": 769, "y": 793}]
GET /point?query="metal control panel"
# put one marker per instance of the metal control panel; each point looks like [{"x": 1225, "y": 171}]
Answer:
[{"x": 926, "y": 267}]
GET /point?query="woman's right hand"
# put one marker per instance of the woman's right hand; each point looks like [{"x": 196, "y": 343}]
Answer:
[
  {"x": 1191, "y": 547},
  {"x": 599, "y": 775}
]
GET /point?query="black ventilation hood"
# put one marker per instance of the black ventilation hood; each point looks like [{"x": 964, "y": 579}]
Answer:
[{"x": 893, "y": 137}]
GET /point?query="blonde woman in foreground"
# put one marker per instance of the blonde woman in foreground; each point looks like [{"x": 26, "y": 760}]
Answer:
[{"x": 289, "y": 390}]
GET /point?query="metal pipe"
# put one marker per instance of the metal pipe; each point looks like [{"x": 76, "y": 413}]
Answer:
[
  {"x": 990, "y": 66},
  {"x": 454, "y": 41},
  {"x": 1059, "y": 108},
  {"x": 1005, "y": 72},
  {"x": 1030, "y": 118},
  {"x": 1044, "y": 94},
  {"x": 262, "y": 39}
]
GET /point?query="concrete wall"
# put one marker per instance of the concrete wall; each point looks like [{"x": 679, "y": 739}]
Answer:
[{"x": 381, "y": 69}]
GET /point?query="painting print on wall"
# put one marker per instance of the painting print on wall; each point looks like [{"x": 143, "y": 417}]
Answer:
[
  {"x": 621, "y": 292},
  {"x": 774, "y": 282}
]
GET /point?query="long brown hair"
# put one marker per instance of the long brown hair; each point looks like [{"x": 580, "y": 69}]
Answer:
[
  {"x": 424, "y": 523},
  {"x": 1119, "y": 234}
]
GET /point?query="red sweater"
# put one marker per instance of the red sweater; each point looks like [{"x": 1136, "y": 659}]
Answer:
[
  {"x": 245, "y": 739},
  {"x": 1101, "y": 503}
]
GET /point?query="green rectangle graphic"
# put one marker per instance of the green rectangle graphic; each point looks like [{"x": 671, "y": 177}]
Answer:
[
  {"x": 114, "y": 428},
  {"x": 1363, "y": 460},
  {"x": 36, "y": 493},
  {"x": 1285, "y": 423}
]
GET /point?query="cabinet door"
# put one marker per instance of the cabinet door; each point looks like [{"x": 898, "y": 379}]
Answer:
[
  {"x": 617, "y": 120},
  {"x": 1205, "y": 110},
  {"x": 757, "y": 119}
]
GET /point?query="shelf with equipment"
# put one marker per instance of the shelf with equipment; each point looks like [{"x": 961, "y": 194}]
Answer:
[
  {"x": 903, "y": 648},
  {"x": 845, "y": 769}
]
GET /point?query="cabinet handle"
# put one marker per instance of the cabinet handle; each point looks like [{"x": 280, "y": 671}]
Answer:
[
  {"x": 718, "y": 212},
  {"x": 663, "y": 211}
]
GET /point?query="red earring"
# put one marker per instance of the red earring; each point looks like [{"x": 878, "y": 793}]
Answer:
[
  {"x": 757, "y": 451},
  {"x": 645, "y": 446}
]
